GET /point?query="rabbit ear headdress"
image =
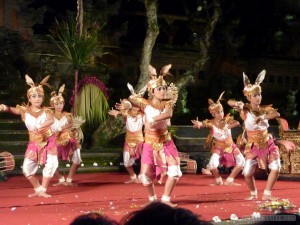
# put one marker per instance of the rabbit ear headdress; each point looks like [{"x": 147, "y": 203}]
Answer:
[
  {"x": 57, "y": 98},
  {"x": 157, "y": 80},
  {"x": 250, "y": 89},
  {"x": 36, "y": 89},
  {"x": 215, "y": 106}
]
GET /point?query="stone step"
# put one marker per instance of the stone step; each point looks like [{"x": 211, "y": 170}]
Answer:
[
  {"x": 92, "y": 162},
  {"x": 13, "y": 135},
  {"x": 12, "y": 124}
]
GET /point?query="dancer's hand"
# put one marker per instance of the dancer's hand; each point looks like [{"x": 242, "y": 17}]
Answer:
[
  {"x": 196, "y": 123},
  {"x": 113, "y": 112}
]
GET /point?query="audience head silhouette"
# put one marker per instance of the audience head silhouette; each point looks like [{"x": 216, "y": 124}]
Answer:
[
  {"x": 162, "y": 214},
  {"x": 93, "y": 219}
]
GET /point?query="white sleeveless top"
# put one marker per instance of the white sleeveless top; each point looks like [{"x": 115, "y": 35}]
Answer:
[
  {"x": 31, "y": 122},
  {"x": 152, "y": 112},
  {"x": 59, "y": 123},
  {"x": 220, "y": 134},
  {"x": 134, "y": 124},
  {"x": 250, "y": 122}
]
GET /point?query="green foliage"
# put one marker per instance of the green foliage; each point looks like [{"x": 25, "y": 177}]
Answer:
[
  {"x": 291, "y": 103},
  {"x": 92, "y": 105},
  {"x": 77, "y": 50}
]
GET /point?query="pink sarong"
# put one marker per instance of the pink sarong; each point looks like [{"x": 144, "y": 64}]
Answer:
[
  {"x": 155, "y": 163},
  {"x": 37, "y": 153}
]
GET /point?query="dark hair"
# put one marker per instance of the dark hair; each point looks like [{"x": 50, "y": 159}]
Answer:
[
  {"x": 93, "y": 218},
  {"x": 161, "y": 214}
]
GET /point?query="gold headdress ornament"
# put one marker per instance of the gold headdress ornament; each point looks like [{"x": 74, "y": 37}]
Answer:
[
  {"x": 36, "y": 89},
  {"x": 56, "y": 98},
  {"x": 250, "y": 89},
  {"x": 156, "y": 81},
  {"x": 215, "y": 106}
]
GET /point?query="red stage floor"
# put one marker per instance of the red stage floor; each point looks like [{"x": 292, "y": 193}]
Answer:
[{"x": 106, "y": 193}]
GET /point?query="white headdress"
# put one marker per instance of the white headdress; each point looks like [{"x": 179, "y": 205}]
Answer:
[
  {"x": 250, "y": 89},
  {"x": 215, "y": 106},
  {"x": 157, "y": 80},
  {"x": 55, "y": 98},
  {"x": 36, "y": 89}
]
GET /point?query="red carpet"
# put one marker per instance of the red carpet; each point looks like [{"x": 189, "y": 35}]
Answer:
[{"x": 106, "y": 193}]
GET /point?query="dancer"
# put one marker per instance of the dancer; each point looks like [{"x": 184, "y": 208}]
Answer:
[
  {"x": 224, "y": 150},
  {"x": 67, "y": 146},
  {"x": 134, "y": 138},
  {"x": 260, "y": 149},
  {"x": 160, "y": 155},
  {"x": 41, "y": 149}
]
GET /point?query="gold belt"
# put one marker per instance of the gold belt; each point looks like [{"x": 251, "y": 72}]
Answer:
[
  {"x": 132, "y": 138},
  {"x": 257, "y": 137},
  {"x": 41, "y": 137},
  {"x": 63, "y": 138},
  {"x": 157, "y": 139},
  {"x": 226, "y": 144}
]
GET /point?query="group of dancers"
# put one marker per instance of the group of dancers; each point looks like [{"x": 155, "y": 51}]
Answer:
[
  {"x": 159, "y": 155},
  {"x": 51, "y": 137}
]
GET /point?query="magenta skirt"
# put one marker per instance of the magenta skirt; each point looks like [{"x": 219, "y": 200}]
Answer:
[{"x": 37, "y": 153}]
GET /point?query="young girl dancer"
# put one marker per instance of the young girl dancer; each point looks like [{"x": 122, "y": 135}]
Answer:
[
  {"x": 134, "y": 138},
  {"x": 68, "y": 147},
  {"x": 224, "y": 150},
  {"x": 41, "y": 149},
  {"x": 160, "y": 155},
  {"x": 260, "y": 149}
]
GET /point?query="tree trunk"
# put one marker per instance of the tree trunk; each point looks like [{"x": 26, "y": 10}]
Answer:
[
  {"x": 149, "y": 42},
  {"x": 79, "y": 17},
  {"x": 204, "y": 44},
  {"x": 79, "y": 28},
  {"x": 112, "y": 127}
]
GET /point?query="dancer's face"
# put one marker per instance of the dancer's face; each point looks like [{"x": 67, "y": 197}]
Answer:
[
  {"x": 160, "y": 92},
  {"x": 135, "y": 111},
  {"x": 59, "y": 106},
  {"x": 36, "y": 100},
  {"x": 255, "y": 99},
  {"x": 219, "y": 114}
]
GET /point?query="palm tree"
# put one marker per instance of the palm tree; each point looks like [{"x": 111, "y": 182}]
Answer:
[{"x": 78, "y": 44}]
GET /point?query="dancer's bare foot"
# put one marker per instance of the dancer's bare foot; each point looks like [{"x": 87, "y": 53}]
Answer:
[
  {"x": 35, "y": 194},
  {"x": 44, "y": 194},
  {"x": 134, "y": 180},
  {"x": 217, "y": 183},
  {"x": 269, "y": 198},
  {"x": 251, "y": 197},
  {"x": 227, "y": 183},
  {"x": 70, "y": 184},
  {"x": 206, "y": 171},
  {"x": 59, "y": 183}
]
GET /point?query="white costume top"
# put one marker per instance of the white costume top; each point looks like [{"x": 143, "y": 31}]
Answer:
[
  {"x": 31, "y": 122},
  {"x": 220, "y": 134},
  {"x": 250, "y": 123},
  {"x": 152, "y": 112},
  {"x": 134, "y": 124},
  {"x": 59, "y": 123}
]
